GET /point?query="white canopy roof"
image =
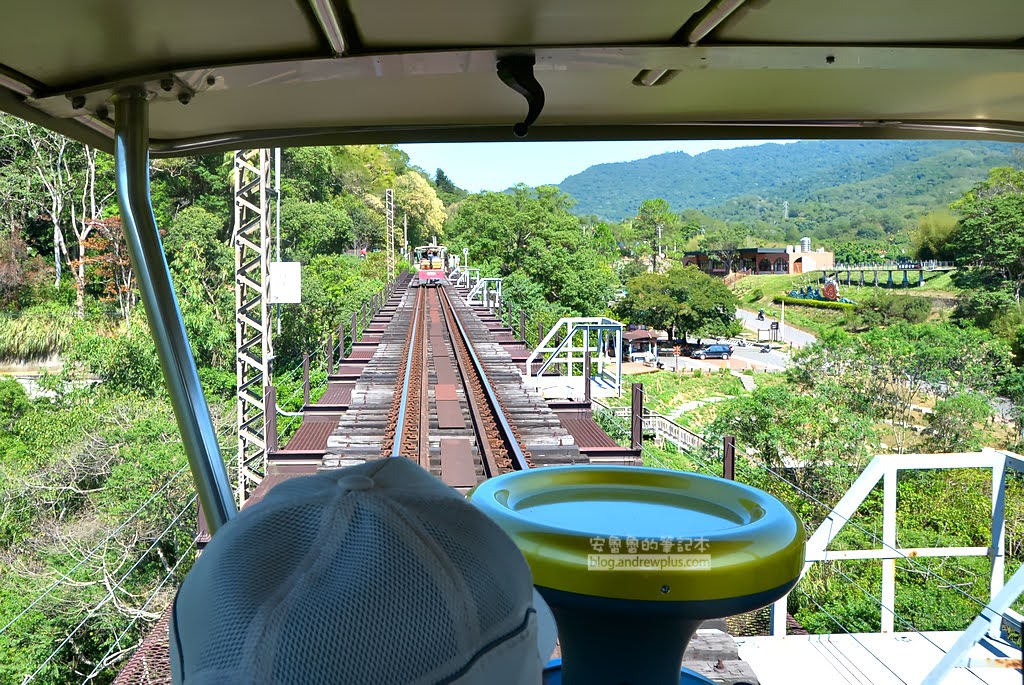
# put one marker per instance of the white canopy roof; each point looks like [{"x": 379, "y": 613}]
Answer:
[{"x": 269, "y": 72}]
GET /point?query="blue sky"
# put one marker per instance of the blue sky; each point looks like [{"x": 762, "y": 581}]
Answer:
[{"x": 497, "y": 166}]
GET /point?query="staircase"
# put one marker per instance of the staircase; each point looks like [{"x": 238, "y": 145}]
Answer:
[{"x": 748, "y": 382}]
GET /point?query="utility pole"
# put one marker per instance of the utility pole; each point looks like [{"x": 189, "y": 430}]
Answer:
[
  {"x": 389, "y": 208},
  {"x": 405, "y": 238},
  {"x": 659, "y": 242},
  {"x": 782, "y": 322}
]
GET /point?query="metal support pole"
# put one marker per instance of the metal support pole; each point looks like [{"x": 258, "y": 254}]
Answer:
[
  {"x": 889, "y": 541},
  {"x": 997, "y": 550},
  {"x": 637, "y": 417},
  {"x": 277, "y": 219},
  {"x": 305, "y": 379},
  {"x": 540, "y": 332},
  {"x": 270, "y": 417},
  {"x": 586, "y": 376},
  {"x": 522, "y": 325},
  {"x": 353, "y": 328},
  {"x": 330, "y": 352},
  {"x": 729, "y": 457},
  {"x": 131, "y": 161}
]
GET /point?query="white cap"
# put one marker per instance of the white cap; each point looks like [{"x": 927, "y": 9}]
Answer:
[{"x": 377, "y": 573}]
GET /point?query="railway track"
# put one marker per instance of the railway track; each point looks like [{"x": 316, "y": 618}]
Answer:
[
  {"x": 442, "y": 391},
  {"x": 448, "y": 416}
]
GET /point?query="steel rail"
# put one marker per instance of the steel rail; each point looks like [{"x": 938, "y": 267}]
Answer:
[
  {"x": 484, "y": 447},
  {"x": 424, "y": 400},
  {"x": 396, "y": 448},
  {"x": 518, "y": 458}
]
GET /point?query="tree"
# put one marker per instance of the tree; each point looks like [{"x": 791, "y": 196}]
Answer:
[
  {"x": 333, "y": 286},
  {"x": 415, "y": 198},
  {"x": 803, "y": 434},
  {"x": 885, "y": 371},
  {"x": 443, "y": 183},
  {"x": 990, "y": 239},
  {"x": 447, "y": 190},
  {"x": 202, "y": 263},
  {"x": 683, "y": 299},
  {"x": 506, "y": 231},
  {"x": 46, "y": 154},
  {"x": 652, "y": 218},
  {"x": 933, "y": 237},
  {"x": 953, "y": 424},
  {"x": 202, "y": 181},
  {"x": 308, "y": 174},
  {"x": 20, "y": 268},
  {"x": 312, "y": 228},
  {"x": 723, "y": 243},
  {"x": 106, "y": 252},
  {"x": 78, "y": 183},
  {"x": 531, "y": 231}
]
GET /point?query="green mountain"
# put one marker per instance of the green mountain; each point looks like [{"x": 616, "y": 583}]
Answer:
[{"x": 820, "y": 180}]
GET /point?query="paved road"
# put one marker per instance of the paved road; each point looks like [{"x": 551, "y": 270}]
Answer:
[
  {"x": 775, "y": 360},
  {"x": 787, "y": 333}
]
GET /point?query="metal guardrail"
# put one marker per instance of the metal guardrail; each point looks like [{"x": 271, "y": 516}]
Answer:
[
  {"x": 993, "y": 611},
  {"x": 927, "y": 265},
  {"x": 662, "y": 426}
]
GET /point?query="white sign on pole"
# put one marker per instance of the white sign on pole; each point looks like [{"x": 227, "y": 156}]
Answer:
[{"x": 285, "y": 283}]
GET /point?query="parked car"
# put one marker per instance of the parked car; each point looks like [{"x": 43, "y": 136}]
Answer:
[{"x": 713, "y": 352}]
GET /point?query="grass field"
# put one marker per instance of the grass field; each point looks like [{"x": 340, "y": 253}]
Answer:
[
  {"x": 666, "y": 390},
  {"x": 756, "y": 292}
]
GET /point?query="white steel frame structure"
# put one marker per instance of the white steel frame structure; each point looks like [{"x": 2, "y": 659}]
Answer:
[
  {"x": 567, "y": 353},
  {"x": 464, "y": 277},
  {"x": 485, "y": 292},
  {"x": 884, "y": 468},
  {"x": 254, "y": 348}
]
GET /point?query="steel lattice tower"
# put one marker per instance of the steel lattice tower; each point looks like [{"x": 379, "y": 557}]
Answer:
[
  {"x": 389, "y": 211},
  {"x": 251, "y": 238}
]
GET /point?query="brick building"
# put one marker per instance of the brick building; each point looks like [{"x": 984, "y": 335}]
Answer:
[{"x": 792, "y": 259}]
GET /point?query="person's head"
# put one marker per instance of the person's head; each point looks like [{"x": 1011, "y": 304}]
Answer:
[{"x": 374, "y": 573}]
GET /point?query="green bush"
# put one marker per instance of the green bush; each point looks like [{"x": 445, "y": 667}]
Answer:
[
  {"x": 756, "y": 295},
  {"x": 14, "y": 403},
  {"x": 885, "y": 309},
  {"x": 125, "y": 362},
  {"x": 821, "y": 304},
  {"x": 34, "y": 333}
]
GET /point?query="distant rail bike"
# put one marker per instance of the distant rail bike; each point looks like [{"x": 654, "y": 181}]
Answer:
[{"x": 431, "y": 262}]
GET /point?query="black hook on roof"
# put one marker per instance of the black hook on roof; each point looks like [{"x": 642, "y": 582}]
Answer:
[{"x": 516, "y": 72}]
